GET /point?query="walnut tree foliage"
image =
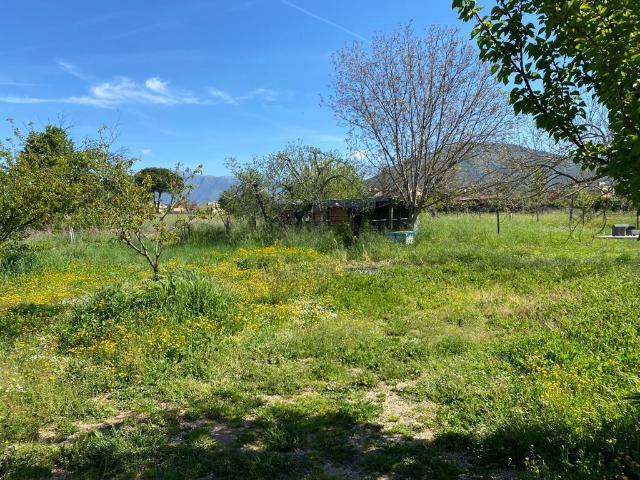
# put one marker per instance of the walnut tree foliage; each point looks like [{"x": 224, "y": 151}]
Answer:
[{"x": 562, "y": 58}]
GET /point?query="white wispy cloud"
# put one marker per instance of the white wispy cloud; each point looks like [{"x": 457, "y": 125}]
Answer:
[
  {"x": 119, "y": 91},
  {"x": 126, "y": 91},
  {"x": 11, "y": 83},
  {"x": 72, "y": 70},
  {"x": 146, "y": 151},
  {"x": 156, "y": 85},
  {"x": 262, "y": 93},
  {"x": 123, "y": 90},
  {"x": 222, "y": 96},
  {"x": 359, "y": 155},
  {"x": 153, "y": 91},
  {"x": 324, "y": 20},
  {"x": 24, "y": 100}
]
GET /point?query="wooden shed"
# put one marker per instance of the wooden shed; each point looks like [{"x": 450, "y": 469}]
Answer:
[{"x": 379, "y": 212}]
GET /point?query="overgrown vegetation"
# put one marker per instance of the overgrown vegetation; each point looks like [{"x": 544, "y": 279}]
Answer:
[
  {"x": 285, "y": 186},
  {"x": 273, "y": 352},
  {"x": 284, "y": 354}
]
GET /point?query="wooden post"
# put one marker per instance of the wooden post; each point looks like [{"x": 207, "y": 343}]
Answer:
[
  {"x": 498, "y": 219},
  {"x": 71, "y": 234},
  {"x": 571, "y": 210},
  {"x": 390, "y": 217}
]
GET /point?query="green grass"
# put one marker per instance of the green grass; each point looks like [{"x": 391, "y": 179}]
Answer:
[{"x": 288, "y": 355}]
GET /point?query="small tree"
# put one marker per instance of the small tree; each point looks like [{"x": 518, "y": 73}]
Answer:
[
  {"x": 28, "y": 195},
  {"x": 162, "y": 182},
  {"x": 251, "y": 197},
  {"x": 141, "y": 225},
  {"x": 303, "y": 176},
  {"x": 538, "y": 191},
  {"x": 224, "y": 210},
  {"x": 298, "y": 178}
]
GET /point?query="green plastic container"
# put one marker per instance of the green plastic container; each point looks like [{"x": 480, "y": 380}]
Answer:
[{"x": 406, "y": 237}]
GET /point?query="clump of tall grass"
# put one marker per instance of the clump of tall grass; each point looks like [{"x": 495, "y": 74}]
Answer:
[
  {"x": 320, "y": 238},
  {"x": 174, "y": 298}
]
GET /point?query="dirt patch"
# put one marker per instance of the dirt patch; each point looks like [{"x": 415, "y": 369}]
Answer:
[
  {"x": 49, "y": 435},
  {"x": 400, "y": 415},
  {"x": 224, "y": 435},
  {"x": 341, "y": 472}
]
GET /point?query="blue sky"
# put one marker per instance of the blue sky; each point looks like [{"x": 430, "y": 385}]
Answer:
[{"x": 191, "y": 81}]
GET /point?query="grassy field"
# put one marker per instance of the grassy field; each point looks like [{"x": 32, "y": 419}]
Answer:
[{"x": 467, "y": 355}]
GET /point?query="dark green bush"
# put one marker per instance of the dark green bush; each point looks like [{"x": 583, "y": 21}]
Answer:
[{"x": 16, "y": 258}]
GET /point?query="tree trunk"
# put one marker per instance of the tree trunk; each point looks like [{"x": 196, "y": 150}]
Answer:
[
  {"x": 414, "y": 219},
  {"x": 571, "y": 210},
  {"x": 156, "y": 270},
  {"x": 263, "y": 209}
]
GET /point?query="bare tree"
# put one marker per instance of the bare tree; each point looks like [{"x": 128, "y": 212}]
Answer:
[
  {"x": 555, "y": 157},
  {"x": 417, "y": 106},
  {"x": 550, "y": 172}
]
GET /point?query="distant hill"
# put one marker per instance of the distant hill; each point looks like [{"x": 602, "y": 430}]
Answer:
[
  {"x": 492, "y": 157},
  {"x": 207, "y": 188}
]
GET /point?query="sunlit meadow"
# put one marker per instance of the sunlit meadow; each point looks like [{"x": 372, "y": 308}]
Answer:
[{"x": 290, "y": 355}]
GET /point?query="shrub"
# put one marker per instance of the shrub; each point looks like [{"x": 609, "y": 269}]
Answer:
[
  {"x": 174, "y": 299},
  {"x": 16, "y": 258}
]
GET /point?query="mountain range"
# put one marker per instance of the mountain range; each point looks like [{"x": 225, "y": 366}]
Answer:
[{"x": 207, "y": 188}]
